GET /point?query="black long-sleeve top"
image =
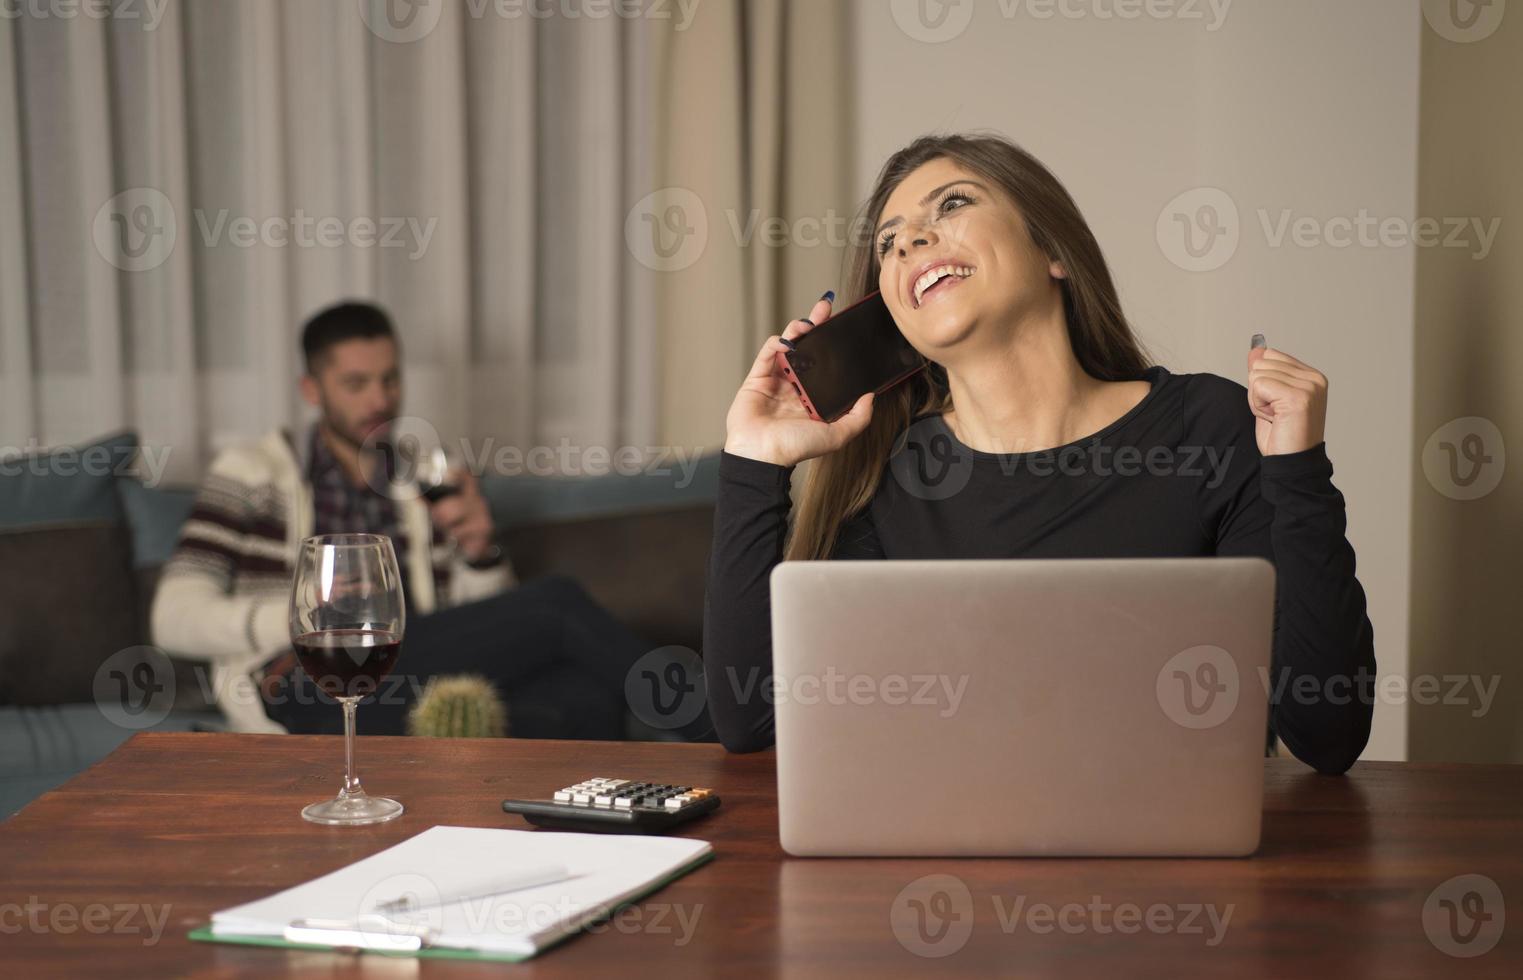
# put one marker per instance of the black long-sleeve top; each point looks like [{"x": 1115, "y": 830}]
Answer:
[{"x": 1180, "y": 475}]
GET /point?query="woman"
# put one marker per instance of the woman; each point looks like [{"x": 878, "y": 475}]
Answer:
[{"x": 1053, "y": 438}]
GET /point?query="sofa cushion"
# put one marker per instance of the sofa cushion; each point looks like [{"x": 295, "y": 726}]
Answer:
[
  {"x": 646, "y": 568},
  {"x": 47, "y": 745},
  {"x": 154, "y": 514},
  {"x": 74, "y": 485},
  {"x": 67, "y": 602},
  {"x": 526, "y": 500}
]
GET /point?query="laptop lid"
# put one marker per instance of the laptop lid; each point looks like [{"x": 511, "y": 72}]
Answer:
[{"x": 1056, "y": 707}]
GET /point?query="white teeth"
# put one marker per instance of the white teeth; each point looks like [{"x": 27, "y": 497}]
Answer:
[{"x": 933, "y": 276}]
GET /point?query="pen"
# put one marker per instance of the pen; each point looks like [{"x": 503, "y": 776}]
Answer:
[{"x": 543, "y": 875}]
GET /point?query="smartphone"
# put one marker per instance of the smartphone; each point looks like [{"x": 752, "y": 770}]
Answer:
[{"x": 858, "y": 350}]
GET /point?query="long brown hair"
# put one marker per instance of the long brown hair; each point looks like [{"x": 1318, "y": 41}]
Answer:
[{"x": 843, "y": 483}]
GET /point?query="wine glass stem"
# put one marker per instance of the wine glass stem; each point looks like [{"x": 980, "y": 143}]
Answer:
[{"x": 351, "y": 778}]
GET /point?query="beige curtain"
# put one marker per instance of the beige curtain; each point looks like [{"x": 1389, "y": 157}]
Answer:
[
  {"x": 754, "y": 156},
  {"x": 177, "y": 196}
]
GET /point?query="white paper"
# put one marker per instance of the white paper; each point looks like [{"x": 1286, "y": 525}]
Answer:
[{"x": 442, "y": 862}]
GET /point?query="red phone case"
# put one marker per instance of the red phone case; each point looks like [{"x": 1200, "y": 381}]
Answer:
[{"x": 787, "y": 369}]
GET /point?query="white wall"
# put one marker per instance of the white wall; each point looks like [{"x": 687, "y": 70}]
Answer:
[{"x": 1281, "y": 104}]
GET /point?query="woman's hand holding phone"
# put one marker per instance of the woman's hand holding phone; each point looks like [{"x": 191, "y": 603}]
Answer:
[{"x": 768, "y": 421}]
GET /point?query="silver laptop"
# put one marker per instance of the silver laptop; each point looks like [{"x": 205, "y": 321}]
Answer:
[{"x": 1069, "y": 707}]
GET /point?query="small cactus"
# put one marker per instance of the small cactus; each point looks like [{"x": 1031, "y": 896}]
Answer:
[{"x": 458, "y": 706}]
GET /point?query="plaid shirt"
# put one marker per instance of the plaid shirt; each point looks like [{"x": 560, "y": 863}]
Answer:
[{"x": 340, "y": 507}]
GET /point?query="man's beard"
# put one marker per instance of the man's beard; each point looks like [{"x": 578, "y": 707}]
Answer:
[{"x": 352, "y": 438}]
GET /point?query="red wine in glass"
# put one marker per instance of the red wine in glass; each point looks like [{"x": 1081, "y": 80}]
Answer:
[
  {"x": 347, "y": 663},
  {"x": 433, "y": 493},
  {"x": 347, "y": 618}
]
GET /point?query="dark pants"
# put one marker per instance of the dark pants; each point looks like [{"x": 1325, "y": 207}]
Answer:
[{"x": 556, "y": 657}]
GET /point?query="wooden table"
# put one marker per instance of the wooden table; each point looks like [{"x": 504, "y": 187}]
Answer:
[{"x": 174, "y": 826}]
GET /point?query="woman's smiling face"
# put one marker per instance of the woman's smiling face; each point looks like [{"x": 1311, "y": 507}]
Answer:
[{"x": 955, "y": 258}]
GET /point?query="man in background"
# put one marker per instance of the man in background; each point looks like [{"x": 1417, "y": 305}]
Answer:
[{"x": 557, "y": 658}]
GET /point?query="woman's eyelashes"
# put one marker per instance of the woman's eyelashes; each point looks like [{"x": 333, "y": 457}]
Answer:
[
  {"x": 949, "y": 197},
  {"x": 943, "y": 205}
]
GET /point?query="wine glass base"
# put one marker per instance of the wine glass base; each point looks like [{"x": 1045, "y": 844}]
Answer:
[{"x": 352, "y": 811}]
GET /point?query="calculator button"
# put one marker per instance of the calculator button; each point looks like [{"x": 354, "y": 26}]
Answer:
[
  {"x": 562, "y": 796},
  {"x": 623, "y": 803}
]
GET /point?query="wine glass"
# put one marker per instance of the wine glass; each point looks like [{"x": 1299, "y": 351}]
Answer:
[
  {"x": 347, "y": 619},
  {"x": 414, "y": 462},
  {"x": 435, "y": 471}
]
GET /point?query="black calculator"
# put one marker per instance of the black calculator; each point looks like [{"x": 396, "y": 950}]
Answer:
[{"x": 618, "y": 806}]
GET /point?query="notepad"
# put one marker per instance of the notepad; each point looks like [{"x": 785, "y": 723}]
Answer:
[{"x": 443, "y": 879}]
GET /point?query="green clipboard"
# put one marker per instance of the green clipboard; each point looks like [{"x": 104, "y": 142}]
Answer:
[{"x": 203, "y": 934}]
